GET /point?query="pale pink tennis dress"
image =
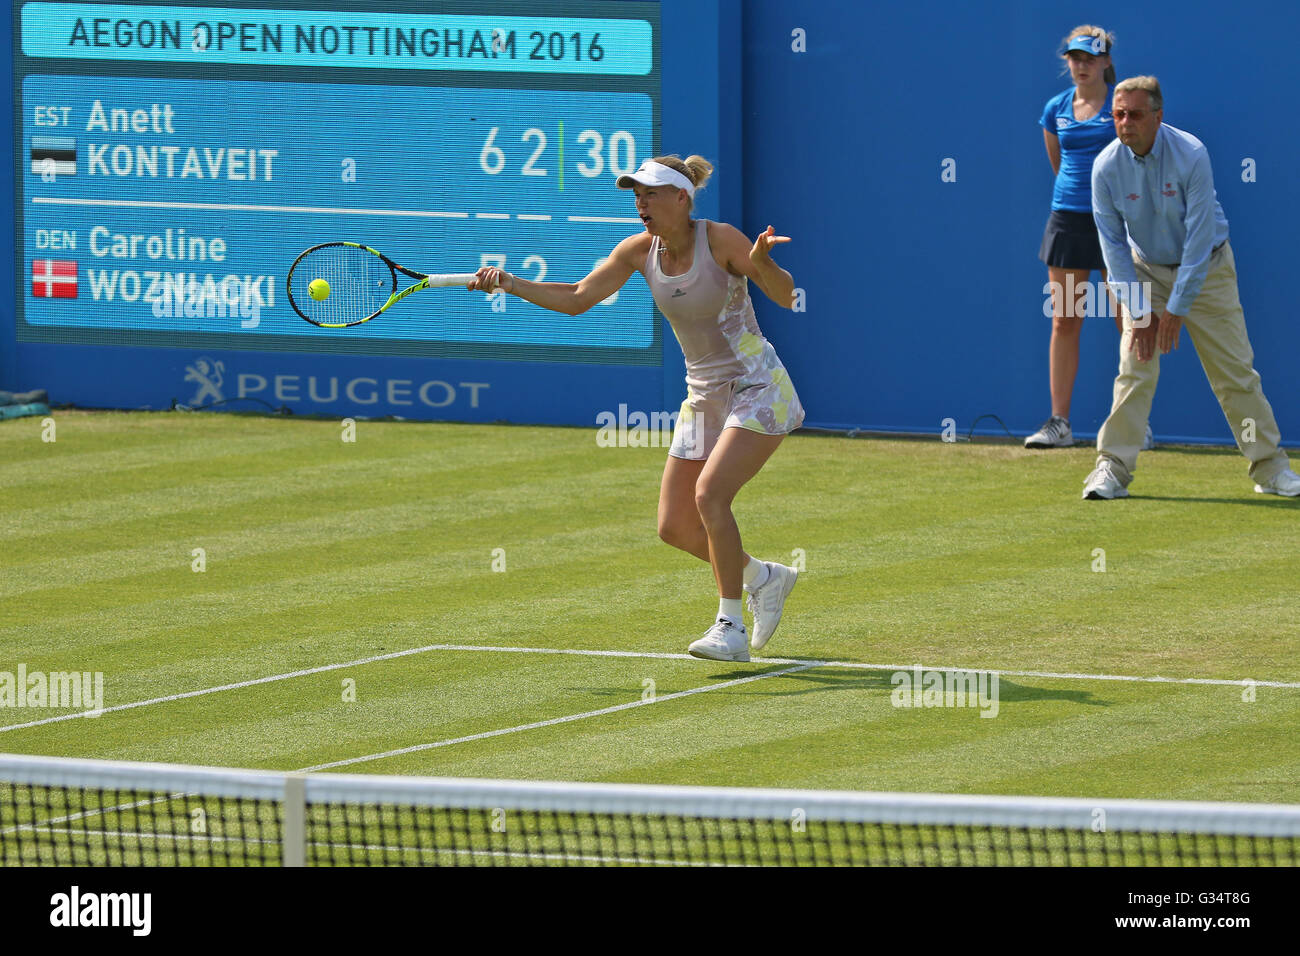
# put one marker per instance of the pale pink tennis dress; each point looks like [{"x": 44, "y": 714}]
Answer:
[{"x": 733, "y": 377}]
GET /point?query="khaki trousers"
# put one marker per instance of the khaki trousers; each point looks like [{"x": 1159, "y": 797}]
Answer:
[{"x": 1217, "y": 327}]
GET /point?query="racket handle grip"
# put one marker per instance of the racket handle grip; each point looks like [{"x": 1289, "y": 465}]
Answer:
[{"x": 455, "y": 278}]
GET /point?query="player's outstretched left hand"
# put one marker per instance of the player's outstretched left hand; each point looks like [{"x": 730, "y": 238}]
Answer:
[{"x": 762, "y": 250}]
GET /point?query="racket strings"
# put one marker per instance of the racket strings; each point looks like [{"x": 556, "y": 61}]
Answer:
[{"x": 359, "y": 281}]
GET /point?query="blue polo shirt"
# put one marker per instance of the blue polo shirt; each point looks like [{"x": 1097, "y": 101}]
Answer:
[{"x": 1080, "y": 144}]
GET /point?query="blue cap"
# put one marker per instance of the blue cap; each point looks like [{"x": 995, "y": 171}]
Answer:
[{"x": 1088, "y": 44}]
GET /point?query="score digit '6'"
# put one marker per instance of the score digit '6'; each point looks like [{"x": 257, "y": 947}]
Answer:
[
  {"x": 492, "y": 159},
  {"x": 497, "y": 260}
]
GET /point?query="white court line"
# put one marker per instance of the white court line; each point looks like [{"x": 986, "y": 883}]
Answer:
[
  {"x": 557, "y": 720},
  {"x": 456, "y": 740},
  {"x": 532, "y": 217},
  {"x": 649, "y": 655},
  {"x": 84, "y": 814},
  {"x": 421, "y": 851},
  {"x": 168, "y": 698},
  {"x": 857, "y": 665},
  {"x": 223, "y": 687}
]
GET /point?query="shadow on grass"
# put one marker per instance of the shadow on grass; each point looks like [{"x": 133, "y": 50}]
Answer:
[
  {"x": 1201, "y": 451},
  {"x": 819, "y": 680},
  {"x": 1267, "y": 501}
]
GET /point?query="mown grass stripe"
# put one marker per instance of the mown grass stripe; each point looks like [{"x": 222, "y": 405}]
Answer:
[{"x": 553, "y": 721}]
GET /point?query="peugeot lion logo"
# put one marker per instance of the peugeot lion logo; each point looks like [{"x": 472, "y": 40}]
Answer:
[{"x": 208, "y": 376}]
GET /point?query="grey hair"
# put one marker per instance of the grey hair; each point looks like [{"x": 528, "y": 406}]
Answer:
[{"x": 1147, "y": 83}]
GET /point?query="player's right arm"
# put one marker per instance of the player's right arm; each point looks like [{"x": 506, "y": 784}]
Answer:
[{"x": 572, "y": 298}]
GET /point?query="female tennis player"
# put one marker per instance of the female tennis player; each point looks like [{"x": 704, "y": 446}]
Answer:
[
  {"x": 739, "y": 402},
  {"x": 1077, "y": 125}
]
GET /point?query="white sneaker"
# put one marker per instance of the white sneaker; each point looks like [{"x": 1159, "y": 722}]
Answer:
[
  {"x": 1054, "y": 433},
  {"x": 1148, "y": 440},
  {"x": 722, "y": 642},
  {"x": 1285, "y": 483},
  {"x": 1102, "y": 483},
  {"x": 767, "y": 602}
]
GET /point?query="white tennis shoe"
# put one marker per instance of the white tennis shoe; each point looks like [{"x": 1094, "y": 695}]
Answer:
[
  {"x": 767, "y": 602},
  {"x": 1053, "y": 433},
  {"x": 722, "y": 642},
  {"x": 1102, "y": 483},
  {"x": 1285, "y": 483},
  {"x": 1148, "y": 440}
]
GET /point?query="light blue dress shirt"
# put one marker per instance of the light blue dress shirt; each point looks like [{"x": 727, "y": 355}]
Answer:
[{"x": 1166, "y": 202}]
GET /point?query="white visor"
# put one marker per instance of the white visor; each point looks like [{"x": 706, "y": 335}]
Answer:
[{"x": 656, "y": 174}]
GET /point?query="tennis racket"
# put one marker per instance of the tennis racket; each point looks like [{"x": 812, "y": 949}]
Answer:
[{"x": 362, "y": 283}]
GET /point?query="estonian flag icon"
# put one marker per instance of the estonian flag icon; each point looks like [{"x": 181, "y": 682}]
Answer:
[{"x": 54, "y": 154}]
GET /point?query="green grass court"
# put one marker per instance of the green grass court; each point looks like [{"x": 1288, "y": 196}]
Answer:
[{"x": 322, "y": 553}]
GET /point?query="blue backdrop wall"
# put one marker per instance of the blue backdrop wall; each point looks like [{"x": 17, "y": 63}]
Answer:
[{"x": 924, "y": 298}]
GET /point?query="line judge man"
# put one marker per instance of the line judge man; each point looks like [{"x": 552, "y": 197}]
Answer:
[{"x": 1155, "y": 182}]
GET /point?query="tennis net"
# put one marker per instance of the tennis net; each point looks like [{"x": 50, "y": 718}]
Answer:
[{"x": 60, "y": 811}]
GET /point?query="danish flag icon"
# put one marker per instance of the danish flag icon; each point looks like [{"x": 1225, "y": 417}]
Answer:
[{"x": 54, "y": 278}]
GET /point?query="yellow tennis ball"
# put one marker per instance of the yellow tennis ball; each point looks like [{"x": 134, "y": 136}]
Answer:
[{"x": 318, "y": 289}]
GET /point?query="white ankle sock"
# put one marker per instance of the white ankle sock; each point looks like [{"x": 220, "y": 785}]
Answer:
[
  {"x": 755, "y": 574},
  {"x": 730, "y": 609}
]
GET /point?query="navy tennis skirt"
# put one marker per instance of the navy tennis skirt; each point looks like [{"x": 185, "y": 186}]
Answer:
[{"x": 1070, "y": 241}]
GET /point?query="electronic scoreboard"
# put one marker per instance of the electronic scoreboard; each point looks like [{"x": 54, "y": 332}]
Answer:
[{"x": 173, "y": 160}]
